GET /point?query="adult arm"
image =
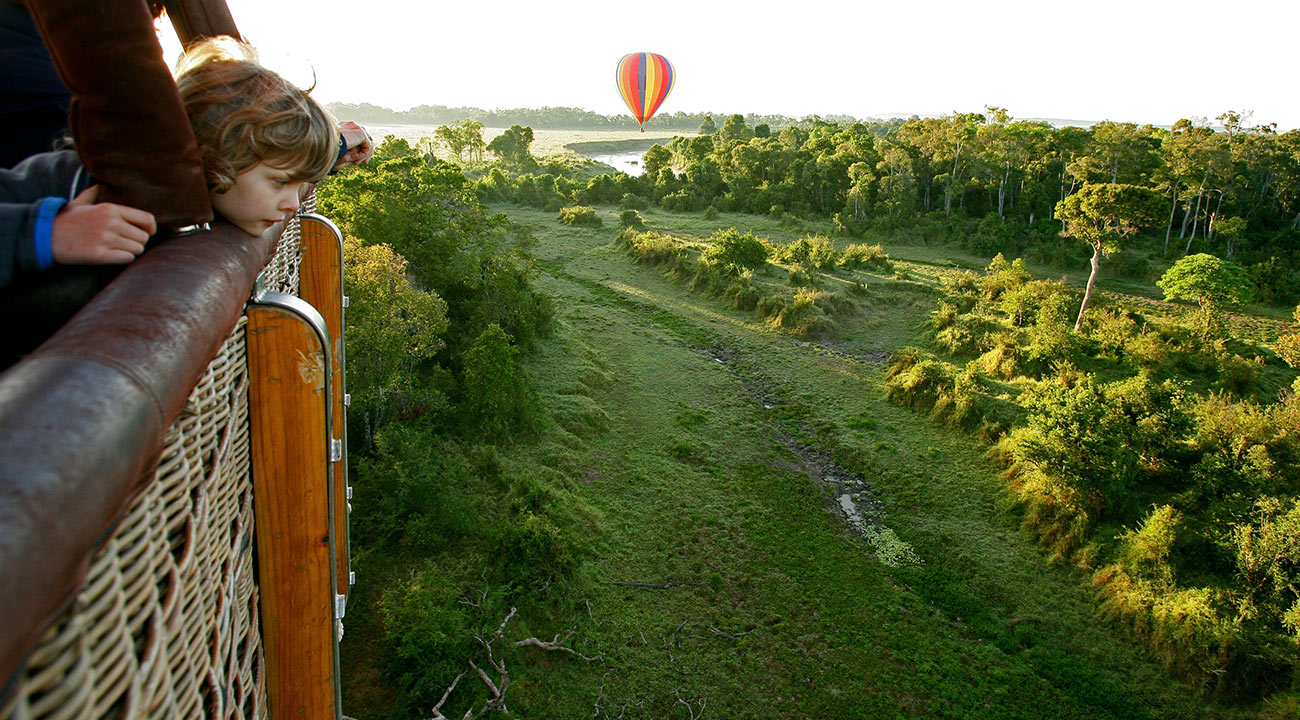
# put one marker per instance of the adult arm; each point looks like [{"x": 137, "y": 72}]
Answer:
[{"x": 127, "y": 118}]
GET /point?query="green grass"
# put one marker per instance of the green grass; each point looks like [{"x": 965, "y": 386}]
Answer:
[
  {"x": 980, "y": 628},
  {"x": 661, "y": 426}
]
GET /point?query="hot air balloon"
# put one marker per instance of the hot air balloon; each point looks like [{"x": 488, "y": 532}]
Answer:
[{"x": 644, "y": 81}]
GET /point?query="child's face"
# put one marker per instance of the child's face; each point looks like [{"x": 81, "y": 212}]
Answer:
[{"x": 261, "y": 196}]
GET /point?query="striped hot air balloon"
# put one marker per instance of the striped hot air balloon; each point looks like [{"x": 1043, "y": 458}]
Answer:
[{"x": 644, "y": 81}]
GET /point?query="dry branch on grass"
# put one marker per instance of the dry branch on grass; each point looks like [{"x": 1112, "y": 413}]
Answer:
[
  {"x": 556, "y": 645},
  {"x": 689, "y": 708},
  {"x": 497, "y": 688},
  {"x": 733, "y": 636}
]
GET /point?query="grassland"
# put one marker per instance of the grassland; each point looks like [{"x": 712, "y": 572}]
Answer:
[{"x": 721, "y": 577}]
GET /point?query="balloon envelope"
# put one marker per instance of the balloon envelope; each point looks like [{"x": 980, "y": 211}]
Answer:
[{"x": 644, "y": 80}]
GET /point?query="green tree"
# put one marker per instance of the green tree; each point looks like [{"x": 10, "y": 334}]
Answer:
[
  {"x": 512, "y": 147},
  {"x": 735, "y": 130},
  {"x": 655, "y": 159},
  {"x": 1214, "y": 284},
  {"x": 393, "y": 327},
  {"x": 498, "y": 396},
  {"x": 708, "y": 127},
  {"x": 463, "y": 137},
  {"x": 1102, "y": 216}
]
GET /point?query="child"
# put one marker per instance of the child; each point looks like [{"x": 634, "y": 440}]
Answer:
[{"x": 261, "y": 139}]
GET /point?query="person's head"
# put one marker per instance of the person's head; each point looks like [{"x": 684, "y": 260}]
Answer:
[{"x": 251, "y": 124}]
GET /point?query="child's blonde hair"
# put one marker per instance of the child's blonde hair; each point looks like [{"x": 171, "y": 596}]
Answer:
[{"x": 244, "y": 114}]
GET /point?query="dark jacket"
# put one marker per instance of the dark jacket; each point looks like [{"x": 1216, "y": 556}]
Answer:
[{"x": 30, "y": 194}]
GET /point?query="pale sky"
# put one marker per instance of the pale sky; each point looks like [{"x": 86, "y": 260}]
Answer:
[{"x": 1143, "y": 61}]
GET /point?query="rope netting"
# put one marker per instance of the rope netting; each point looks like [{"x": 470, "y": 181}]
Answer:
[{"x": 166, "y": 624}]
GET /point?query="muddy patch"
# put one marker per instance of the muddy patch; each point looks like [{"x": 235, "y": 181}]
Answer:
[
  {"x": 844, "y": 352},
  {"x": 854, "y": 501}
]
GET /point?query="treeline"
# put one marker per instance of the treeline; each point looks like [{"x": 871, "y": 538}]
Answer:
[
  {"x": 989, "y": 182},
  {"x": 549, "y": 118}
]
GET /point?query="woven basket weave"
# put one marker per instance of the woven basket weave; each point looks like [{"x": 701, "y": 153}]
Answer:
[{"x": 166, "y": 625}]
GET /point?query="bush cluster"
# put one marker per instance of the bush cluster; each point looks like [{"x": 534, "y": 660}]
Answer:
[
  {"x": 583, "y": 215},
  {"x": 1162, "y": 432},
  {"x": 725, "y": 268}
]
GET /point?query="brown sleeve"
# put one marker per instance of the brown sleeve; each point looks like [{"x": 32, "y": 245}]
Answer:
[
  {"x": 126, "y": 118},
  {"x": 195, "y": 19}
]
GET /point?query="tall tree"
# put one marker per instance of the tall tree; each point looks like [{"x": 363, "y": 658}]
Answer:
[
  {"x": 1214, "y": 284},
  {"x": 463, "y": 137},
  {"x": 512, "y": 146},
  {"x": 1102, "y": 215}
]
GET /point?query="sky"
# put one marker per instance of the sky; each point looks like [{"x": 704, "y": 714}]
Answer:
[{"x": 1142, "y": 61}]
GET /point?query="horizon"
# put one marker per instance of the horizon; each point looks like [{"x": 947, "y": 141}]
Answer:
[
  {"x": 1035, "y": 60},
  {"x": 719, "y": 117}
]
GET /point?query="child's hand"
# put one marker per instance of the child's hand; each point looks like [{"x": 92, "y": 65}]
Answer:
[{"x": 88, "y": 234}]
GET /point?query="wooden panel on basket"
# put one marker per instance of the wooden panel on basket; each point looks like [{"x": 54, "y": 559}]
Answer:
[
  {"x": 321, "y": 284},
  {"x": 287, "y": 368}
]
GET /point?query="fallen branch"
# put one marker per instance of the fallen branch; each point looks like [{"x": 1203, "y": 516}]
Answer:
[
  {"x": 676, "y": 642},
  {"x": 437, "y": 709},
  {"x": 703, "y": 702},
  {"x": 733, "y": 636},
  {"x": 555, "y": 645}
]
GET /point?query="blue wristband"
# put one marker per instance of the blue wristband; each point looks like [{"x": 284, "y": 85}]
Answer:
[{"x": 44, "y": 233}]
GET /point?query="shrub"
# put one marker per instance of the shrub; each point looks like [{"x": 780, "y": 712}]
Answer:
[
  {"x": 1237, "y": 374},
  {"x": 533, "y": 552},
  {"x": 742, "y": 294},
  {"x": 1268, "y": 562},
  {"x": 1112, "y": 330},
  {"x": 916, "y": 380},
  {"x": 1001, "y": 276},
  {"x": 634, "y": 202},
  {"x": 1147, "y": 349},
  {"x": 811, "y": 251},
  {"x": 631, "y": 219},
  {"x": 580, "y": 215},
  {"x": 804, "y": 279},
  {"x": 735, "y": 250},
  {"x": 1002, "y": 358},
  {"x": 650, "y": 248},
  {"x": 1246, "y": 447},
  {"x": 804, "y": 316},
  {"x": 1146, "y": 552},
  {"x": 858, "y": 255},
  {"x": 1092, "y": 442},
  {"x": 1287, "y": 347},
  {"x": 1183, "y": 625},
  {"x": 681, "y": 201}
]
